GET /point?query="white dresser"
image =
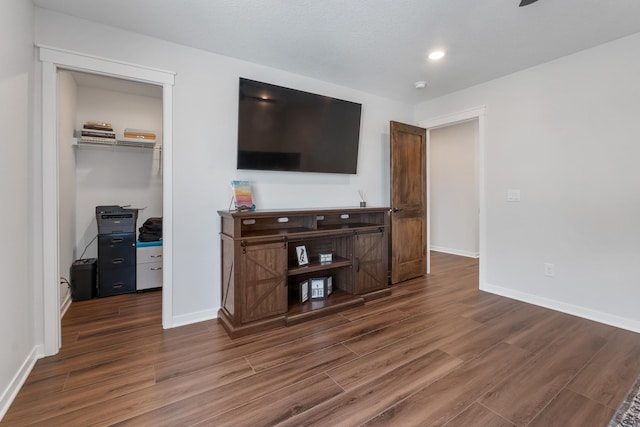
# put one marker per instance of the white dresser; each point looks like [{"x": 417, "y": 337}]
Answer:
[{"x": 148, "y": 265}]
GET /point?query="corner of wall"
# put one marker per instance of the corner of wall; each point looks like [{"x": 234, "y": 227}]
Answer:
[
  {"x": 198, "y": 316},
  {"x": 9, "y": 394}
]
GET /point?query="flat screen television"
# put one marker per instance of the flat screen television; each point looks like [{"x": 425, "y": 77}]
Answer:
[{"x": 285, "y": 129}]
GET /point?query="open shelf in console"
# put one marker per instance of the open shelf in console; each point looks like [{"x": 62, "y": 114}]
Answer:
[
  {"x": 315, "y": 265},
  {"x": 350, "y": 219},
  {"x": 348, "y": 226},
  {"x": 276, "y": 232},
  {"x": 261, "y": 224},
  {"x": 313, "y": 309}
]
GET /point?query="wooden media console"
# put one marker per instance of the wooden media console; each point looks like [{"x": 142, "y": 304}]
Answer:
[{"x": 261, "y": 275}]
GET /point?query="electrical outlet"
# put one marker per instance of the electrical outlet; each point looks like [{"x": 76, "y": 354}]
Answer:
[{"x": 549, "y": 269}]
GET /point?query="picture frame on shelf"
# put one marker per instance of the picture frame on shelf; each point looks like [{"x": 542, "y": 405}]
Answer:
[
  {"x": 317, "y": 288},
  {"x": 320, "y": 287},
  {"x": 303, "y": 258},
  {"x": 242, "y": 198},
  {"x": 303, "y": 291}
]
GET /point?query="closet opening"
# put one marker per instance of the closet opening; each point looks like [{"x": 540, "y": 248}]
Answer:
[
  {"x": 109, "y": 187},
  {"x": 62, "y": 236}
]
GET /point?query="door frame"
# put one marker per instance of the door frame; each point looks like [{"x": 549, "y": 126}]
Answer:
[
  {"x": 52, "y": 60},
  {"x": 478, "y": 113}
]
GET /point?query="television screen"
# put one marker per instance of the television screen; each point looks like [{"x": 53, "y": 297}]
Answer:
[{"x": 290, "y": 130}]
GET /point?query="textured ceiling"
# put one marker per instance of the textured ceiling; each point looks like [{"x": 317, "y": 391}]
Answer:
[{"x": 378, "y": 46}]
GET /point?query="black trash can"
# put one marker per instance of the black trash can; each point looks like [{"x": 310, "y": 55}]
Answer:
[{"x": 83, "y": 279}]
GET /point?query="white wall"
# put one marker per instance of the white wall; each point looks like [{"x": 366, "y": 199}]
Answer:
[
  {"x": 116, "y": 175},
  {"x": 565, "y": 133},
  {"x": 205, "y": 101},
  {"x": 17, "y": 312},
  {"x": 67, "y": 179},
  {"x": 453, "y": 182}
]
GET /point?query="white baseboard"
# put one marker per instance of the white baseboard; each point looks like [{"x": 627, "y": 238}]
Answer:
[
  {"x": 10, "y": 393},
  {"x": 65, "y": 305},
  {"x": 467, "y": 254},
  {"x": 576, "y": 310},
  {"x": 198, "y": 316}
]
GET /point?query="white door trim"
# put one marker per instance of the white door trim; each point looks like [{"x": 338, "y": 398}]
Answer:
[
  {"x": 478, "y": 113},
  {"x": 52, "y": 60}
]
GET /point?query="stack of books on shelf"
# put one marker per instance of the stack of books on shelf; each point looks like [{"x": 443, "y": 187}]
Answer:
[
  {"x": 93, "y": 132},
  {"x": 138, "y": 138}
]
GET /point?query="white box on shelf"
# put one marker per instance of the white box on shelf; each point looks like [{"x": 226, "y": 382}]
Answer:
[{"x": 327, "y": 257}]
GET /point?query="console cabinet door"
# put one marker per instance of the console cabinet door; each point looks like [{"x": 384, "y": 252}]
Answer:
[
  {"x": 370, "y": 261},
  {"x": 264, "y": 271}
]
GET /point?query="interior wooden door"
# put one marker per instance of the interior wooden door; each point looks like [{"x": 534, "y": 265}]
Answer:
[{"x": 408, "y": 202}]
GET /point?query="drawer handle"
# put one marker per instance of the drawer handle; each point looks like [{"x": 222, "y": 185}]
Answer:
[
  {"x": 117, "y": 240},
  {"x": 117, "y": 260},
  {"x": 156, "y": 256},
  {"x": 155, "y": 268},
  {"x": 118, "y": 285}
]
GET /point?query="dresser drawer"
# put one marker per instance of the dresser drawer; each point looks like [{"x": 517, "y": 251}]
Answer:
[
  {"x": 148, "y": 265},
  {"x": 117, "y": 248},
  {"x": 149, "y": 254},
  {"x": 117, "y": 281},
  {"x": 148, "y": 275}
]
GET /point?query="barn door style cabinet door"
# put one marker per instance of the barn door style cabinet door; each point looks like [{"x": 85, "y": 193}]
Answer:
[
  {"x": 263, "y": 278},
  {"x": 264, "y": 275},
  {"x": 370, "y": 273}
]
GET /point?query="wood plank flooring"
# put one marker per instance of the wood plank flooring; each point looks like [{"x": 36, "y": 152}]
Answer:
[{"x": 435, "y": 352}]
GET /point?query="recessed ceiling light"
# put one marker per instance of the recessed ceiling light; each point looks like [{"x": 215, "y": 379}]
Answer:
[
  {"x": 436, "y": 54},
  {"x": 420, "y": 84}
]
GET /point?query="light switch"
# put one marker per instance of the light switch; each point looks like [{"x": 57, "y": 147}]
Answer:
[{"x": 513, "y": 195}]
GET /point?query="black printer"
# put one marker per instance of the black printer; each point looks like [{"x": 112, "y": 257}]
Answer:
[{"x": 116, "y": 219}]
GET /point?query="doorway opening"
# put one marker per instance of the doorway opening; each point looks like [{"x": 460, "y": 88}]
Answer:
[
  {"x": 54, "y": 60},
  {"x": 453, "y": 184},
  {"x": 476, "y": 115}
]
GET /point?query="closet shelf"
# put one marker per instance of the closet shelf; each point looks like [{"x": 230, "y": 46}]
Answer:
[{"x": 117, "y": 144}]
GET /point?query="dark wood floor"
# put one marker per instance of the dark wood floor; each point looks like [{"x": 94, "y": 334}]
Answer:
[{"x": 435, "y": 352}]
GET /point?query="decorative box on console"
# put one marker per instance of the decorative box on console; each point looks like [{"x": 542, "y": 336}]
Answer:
[{"x": 328, "y": 257}]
